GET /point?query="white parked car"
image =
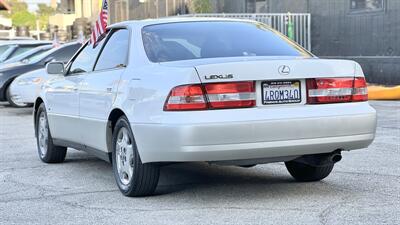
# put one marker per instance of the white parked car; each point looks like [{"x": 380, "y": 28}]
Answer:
[
  {"x": 229, "y": 92},
  {"x": 26, "y": 88}
]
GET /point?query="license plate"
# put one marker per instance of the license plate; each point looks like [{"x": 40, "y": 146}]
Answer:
[{"x": 281, "y": 92}]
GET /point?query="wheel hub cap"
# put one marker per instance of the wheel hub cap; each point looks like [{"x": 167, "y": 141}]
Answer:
[
  {"x": 124, "y": 156},
  {"x": 43, "y": 133}
]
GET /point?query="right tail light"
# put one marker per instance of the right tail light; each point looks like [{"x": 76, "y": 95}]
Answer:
[{"x": 336, "y": 90}]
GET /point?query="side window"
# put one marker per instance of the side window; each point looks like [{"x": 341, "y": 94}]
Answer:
[
  {"x": 86, "y": 59},
  {"x": 65, "y": 53},
  {"x": 115, "y": 51}
]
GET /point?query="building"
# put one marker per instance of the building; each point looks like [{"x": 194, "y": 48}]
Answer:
[
  {"x": 74, "y": 9},
  {"x": 121, "y": 10},
  {"x": 367, "y": 31},
  {"x": 81, "y": 8},
  {"x": 5, "y": 23}
]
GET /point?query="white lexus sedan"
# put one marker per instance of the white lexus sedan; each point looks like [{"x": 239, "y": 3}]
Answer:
[{"x": 229, "y": 92}]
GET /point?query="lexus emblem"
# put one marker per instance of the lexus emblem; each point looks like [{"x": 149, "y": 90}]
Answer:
[{"x": 284, "y": 70}]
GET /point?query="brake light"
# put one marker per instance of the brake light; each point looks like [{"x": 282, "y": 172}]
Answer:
[
  {"x": 231, "y": 95},
  {"x": 360, "y": 92},
  {"x": 336, "y": 90},
  {"x": 211, "y": 96},
  {"x": 188, "y": 97}
]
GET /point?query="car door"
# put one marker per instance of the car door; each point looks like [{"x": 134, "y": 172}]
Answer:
[
  {"x": 63, "y": 98},
  {"x": 98, "y": 90}
]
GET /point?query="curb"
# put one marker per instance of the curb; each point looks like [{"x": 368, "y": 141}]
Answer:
[{"x": 383, "y": 93}]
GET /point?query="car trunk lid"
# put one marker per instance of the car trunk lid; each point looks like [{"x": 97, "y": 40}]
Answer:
[{"x": 260, "y": 70}]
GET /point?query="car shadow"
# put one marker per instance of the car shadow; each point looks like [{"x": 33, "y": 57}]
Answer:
[{"x": 271, "y": 180}]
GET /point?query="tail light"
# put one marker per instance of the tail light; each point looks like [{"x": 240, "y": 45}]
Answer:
[
  {"x": 211, "y": 96},
  {"x": 188, "y": 97},
  {"x": 336, "y": 90},
  {"x": 360, "y": 92}
]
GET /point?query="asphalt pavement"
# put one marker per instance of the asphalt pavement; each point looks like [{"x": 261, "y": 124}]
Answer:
[{"x": 364, "y": 188}]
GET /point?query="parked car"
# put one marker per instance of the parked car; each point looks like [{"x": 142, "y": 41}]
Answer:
[
  {"x": 26, "y": 88},
  {"x": 191, "y": 89},
  {"x": 9, "y": 72},
  {"x": 9, "y": 49},
  {"x": 28, "y": 54}
]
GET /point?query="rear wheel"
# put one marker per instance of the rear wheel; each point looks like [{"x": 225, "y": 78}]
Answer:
[
  {"x": 305, "y": 172},
  {"x": 132, "y": 176},
  {"x": 48, "y": 152},
  {"x": 12, "y": 101}
]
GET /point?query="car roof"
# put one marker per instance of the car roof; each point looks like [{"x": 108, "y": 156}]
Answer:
[
  {"x": 15, "y": 38},
  {"x": 23, "y": 42},
  {"x": 175, "y": 19}
]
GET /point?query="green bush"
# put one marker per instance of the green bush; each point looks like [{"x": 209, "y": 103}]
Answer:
[{"x": 201, "y": 6}]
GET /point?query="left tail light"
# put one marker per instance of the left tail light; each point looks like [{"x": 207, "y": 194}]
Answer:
[
  {"x": 211, "y": 96},
  {"x": 187, "y": 97},
  {"x": 336, "y": 90}
]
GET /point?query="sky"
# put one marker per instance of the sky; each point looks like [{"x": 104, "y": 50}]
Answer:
[{"x": 32, "y": 4}]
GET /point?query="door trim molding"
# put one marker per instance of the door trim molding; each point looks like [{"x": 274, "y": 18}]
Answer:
[{"x": 106, "y": 156}]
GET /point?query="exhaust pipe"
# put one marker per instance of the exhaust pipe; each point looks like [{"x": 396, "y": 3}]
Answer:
[
  {"x": 335, "y": 157},
  {"x": 321, "y": 159}
]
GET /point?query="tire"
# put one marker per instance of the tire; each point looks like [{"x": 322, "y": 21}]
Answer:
[
  {"x": 48, "y": 152},
  {"x": 248, "y": 166},
  {"x": 11, "y": 101},
  {"x": 307, "y": 173},
  {"x": 133, "y": 178}
]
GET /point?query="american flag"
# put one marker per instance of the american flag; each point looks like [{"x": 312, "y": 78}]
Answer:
[{"x": 101, "y": 23}]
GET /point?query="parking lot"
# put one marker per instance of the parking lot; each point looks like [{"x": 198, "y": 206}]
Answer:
[{"x": 364, "y": 187}]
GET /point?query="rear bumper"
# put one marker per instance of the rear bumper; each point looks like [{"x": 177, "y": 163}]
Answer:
[{"x": 225, "y": 135}]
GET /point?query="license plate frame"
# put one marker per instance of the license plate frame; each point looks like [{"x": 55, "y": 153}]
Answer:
[{"x": 294, "y": 85}]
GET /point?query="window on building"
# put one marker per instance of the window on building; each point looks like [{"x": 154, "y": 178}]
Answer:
[{"x": 367, "y": 5}]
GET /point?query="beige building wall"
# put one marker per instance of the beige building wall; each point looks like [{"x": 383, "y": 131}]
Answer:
[
  {"x": 62, "y": 20},
  {"x": 75, "y": 9},
  {"x": 87, "y": 8}
]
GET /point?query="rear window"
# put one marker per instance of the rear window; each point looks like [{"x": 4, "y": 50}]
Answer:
[{"x": 197, "y": 40}]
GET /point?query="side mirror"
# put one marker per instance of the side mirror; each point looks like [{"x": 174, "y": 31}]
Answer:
[{"x": 55, "y": 68}]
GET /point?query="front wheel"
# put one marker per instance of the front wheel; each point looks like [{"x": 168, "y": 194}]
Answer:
[
  {"x": 48, "y": 152},
  {"x": 132, "y": 176},
  {"x": 305, "y": 172}
]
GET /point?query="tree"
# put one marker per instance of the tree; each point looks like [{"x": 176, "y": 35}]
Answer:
[
  {"x": 19, "y": 14},
  {"x": 43, "y": 13},
  {"x": 201, "y": 6},
  {"x": 23, "y": 18}
]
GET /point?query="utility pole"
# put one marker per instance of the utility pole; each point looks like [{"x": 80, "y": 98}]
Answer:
[
  {"x": 166, "y": 8},
  {"x": 37, "y": 30},
  {"x": 156, "y": 4}
]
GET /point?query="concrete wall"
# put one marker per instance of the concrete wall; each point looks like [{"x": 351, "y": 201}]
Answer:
[{"x": 370, "y": 38}]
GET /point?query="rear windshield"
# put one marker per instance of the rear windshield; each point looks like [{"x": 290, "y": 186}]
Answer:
[{"x": 197, "y": 40}]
